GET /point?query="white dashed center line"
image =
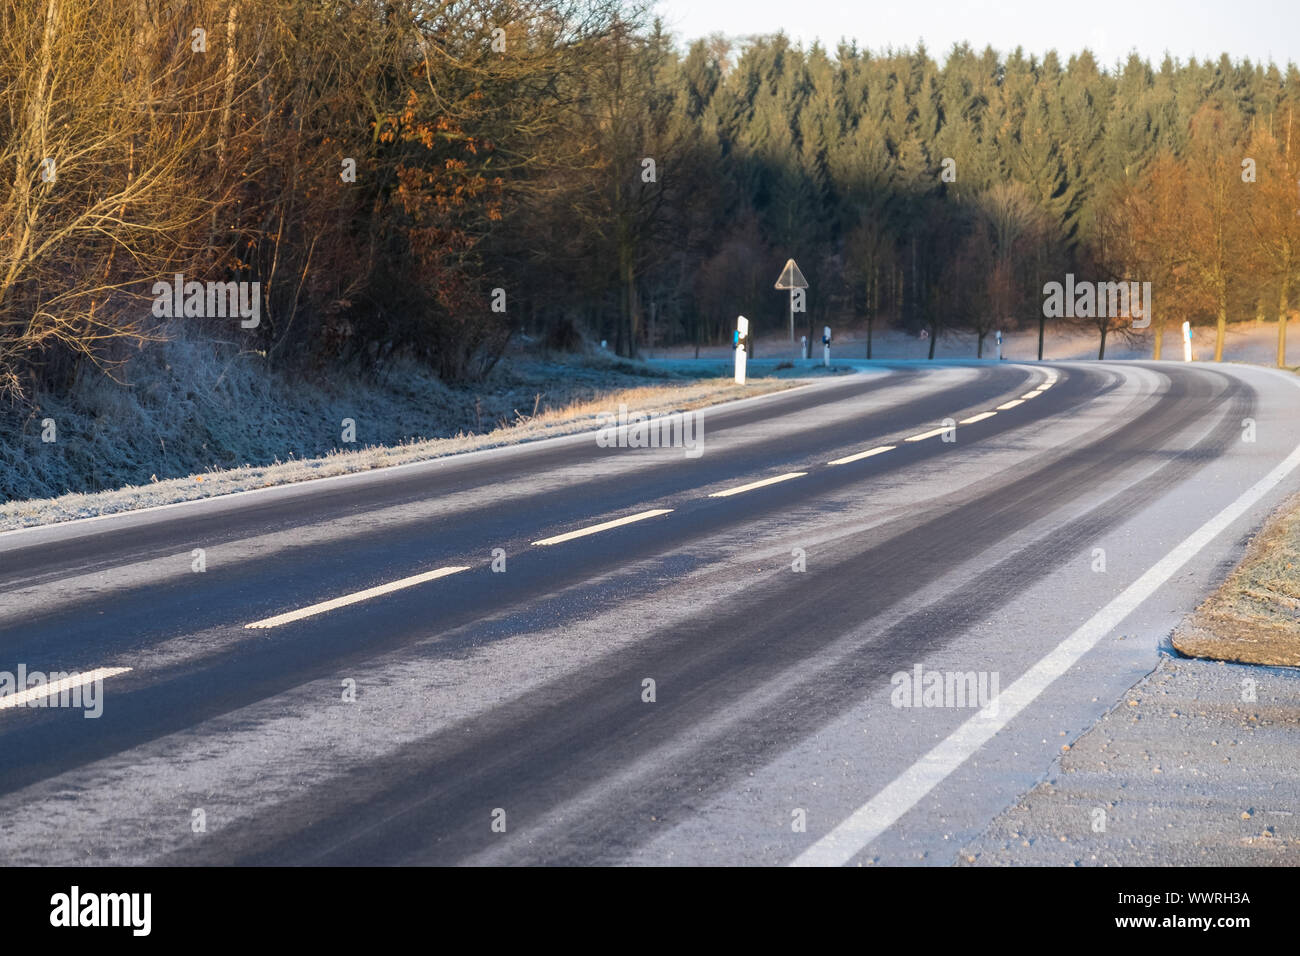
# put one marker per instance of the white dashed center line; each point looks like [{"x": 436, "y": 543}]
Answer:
[
  {"x": 604, "y": 526},
  {"x": 59, "y": 687},
  {"x": 758, "y": 484},
  {"x": 354, "y": 598},
  {"x": 878, "y": 450}
]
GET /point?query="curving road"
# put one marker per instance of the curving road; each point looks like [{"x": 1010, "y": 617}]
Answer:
[{"x": 504, "y": 716}]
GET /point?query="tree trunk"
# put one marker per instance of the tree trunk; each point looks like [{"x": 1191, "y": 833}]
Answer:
[
  {"x": 1221, "y": 329},
  {"x": 979, "y": 346},
  {"x": 633, "y": 316},
  {"x": 903, "y": 313},
  {"x": 1101, "y": 352},
  {"x": 625, "y": 344},
  {"x": 811, "y": 351},
  {"x": 1158, "y": 348},
  {"x": 875, "y": 308},
  {"x": 1042, "y": 323},
  {"x": 228, "y": 94},
  {"x": 1283, "y": 306}
]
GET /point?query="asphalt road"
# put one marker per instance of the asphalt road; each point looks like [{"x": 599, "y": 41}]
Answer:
[{"x": 503, "y": 716}]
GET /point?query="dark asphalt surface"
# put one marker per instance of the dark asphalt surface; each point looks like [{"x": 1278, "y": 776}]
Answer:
[{"x": 561, "y": 755}]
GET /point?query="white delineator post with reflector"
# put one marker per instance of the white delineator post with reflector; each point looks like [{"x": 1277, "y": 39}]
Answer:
[
  {"x": 742, "y": 332},
  {"x": 1187, "y": 341},
  {"x": 826, "y": 345}
]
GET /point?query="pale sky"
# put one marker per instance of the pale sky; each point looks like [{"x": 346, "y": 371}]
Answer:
[{"x": 1262, "y": 30}]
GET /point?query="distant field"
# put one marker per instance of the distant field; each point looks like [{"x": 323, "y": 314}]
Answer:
[{"x": 1251, "y": 342}]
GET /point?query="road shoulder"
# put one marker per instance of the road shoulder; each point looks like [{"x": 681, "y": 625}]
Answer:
[{"x": 1198, "y": 764}]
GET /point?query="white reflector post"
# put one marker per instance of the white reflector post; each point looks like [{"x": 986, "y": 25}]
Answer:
[{"x": 742, "y": 332}]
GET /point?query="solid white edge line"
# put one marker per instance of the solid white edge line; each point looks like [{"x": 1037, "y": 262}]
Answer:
[
  {"x": 976, "y": 418},
  {"x": 355, "y": 597},
  {"x": 878, "y": 450},
  {"x": 885, "y": 809},
  {"x": 59, "y": 686},
  {"x": 1011, "y": 404},
  {"x": 603, "y": 526},
  {"x": 758, "y": 484}
]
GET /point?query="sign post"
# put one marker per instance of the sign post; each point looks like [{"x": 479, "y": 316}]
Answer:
[
  {"x": 791, "y": 278},
  {"x": 742, "y": 333}
]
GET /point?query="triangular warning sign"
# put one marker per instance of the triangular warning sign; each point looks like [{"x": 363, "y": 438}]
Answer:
[{"x": 791, "y": 277}]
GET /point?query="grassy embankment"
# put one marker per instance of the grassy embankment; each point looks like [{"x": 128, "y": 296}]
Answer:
[{"x": 190, "y": 424}]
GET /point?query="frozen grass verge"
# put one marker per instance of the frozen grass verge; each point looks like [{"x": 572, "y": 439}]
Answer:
[
  {"x": 1254, "y": 618},
  {"x": 576, "y": 416}
]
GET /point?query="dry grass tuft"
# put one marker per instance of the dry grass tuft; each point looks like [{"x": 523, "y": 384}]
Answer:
[{"x": 1254, "y": 618}]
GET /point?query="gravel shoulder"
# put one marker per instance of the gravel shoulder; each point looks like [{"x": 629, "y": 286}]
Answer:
[{"x": 1198, "y": 765}]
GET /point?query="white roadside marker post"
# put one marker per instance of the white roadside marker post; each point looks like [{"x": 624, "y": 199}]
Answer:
[
  {"x": 999, "y": 345},
  {"x": 1187, "y": 341},
  {"x": 803, "y": 346},
  {"x": 826, "y": 345},
  {"x": 742, "y": 332}
]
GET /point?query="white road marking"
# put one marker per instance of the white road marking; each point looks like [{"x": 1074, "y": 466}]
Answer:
[
  {"x": 1011, "y": 404},
  {"x": 878, "y": 450},
  {"x": 354, "y": 598},
  {"x": 924, "y": 435},
  {"x": 59, "y": 686},
  {"x": 885, "y": 809},
  {"x": 758, "y": 484},
  {"x": 976, "y": 418},
  {"x": 1034, "y": 394},
  {"x": 604, "y": 526}
]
